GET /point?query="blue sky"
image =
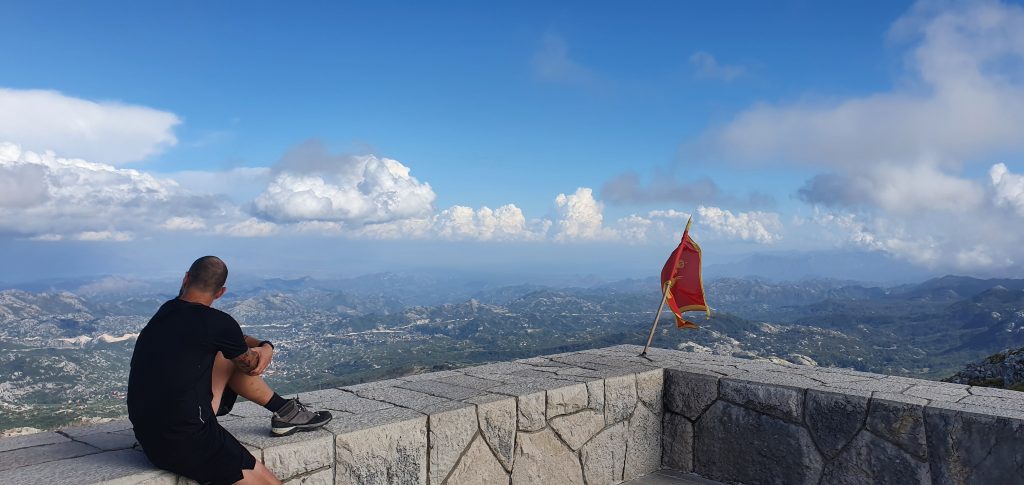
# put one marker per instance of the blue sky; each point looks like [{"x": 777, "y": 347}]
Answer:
[{"x": 792, "y": 126}]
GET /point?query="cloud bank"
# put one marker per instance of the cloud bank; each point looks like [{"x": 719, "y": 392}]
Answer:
[
  {"x": 114, "y": 132},
  {"x": 892, "y": 164}
]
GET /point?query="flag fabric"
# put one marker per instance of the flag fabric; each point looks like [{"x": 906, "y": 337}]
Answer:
[{"x": 681, "y": 278}]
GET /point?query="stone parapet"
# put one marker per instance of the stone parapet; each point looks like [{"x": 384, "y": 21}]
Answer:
[
  {"x": 597, "y": 417},
  {"x": 751, "y": 421}
]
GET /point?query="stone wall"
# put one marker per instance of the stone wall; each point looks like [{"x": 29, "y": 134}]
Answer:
[
  {"x": 756, "y": 422},
  {"x": 597, "y": 417},
  {"x": 591, "y": 417}
]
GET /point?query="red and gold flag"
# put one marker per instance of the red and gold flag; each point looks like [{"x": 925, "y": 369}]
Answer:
[{"x": 682, "y": 280}]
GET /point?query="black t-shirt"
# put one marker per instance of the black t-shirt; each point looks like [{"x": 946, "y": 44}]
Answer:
[{"x": 169, "y": 388}]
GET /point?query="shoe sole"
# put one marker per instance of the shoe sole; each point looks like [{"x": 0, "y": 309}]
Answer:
[{"x": 299, "y": 427}]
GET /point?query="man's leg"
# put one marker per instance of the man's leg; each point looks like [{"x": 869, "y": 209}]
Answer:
[
  {"x": 253, "y": 388},
  {"x": 289, "y": 416}
]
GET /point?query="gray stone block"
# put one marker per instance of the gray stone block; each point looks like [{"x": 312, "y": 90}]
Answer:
[
  {"x": 392, "y": 453},
  {"x": 650, "y": 386},
  {"x": 937, "y": 392},
  {"x": 595, "y": 395},
  {"x": 108, "y": 441},
  {"x": 355, "y": 422},
  {"x": 966, "y": 447},
  {"x": 538, "y": 374},
  {"x": 471, "y": 382},
  {"x": 727, "y": 433},
  {"x": 322, "y": 477},
  {"x": 498, "y": 421},
  {"x": 292, "y": 460},
  {"x": 478, "y": 466},
  {"x": 580, "y": 372},
  {"x": 542, "y": 458},
  {"x": 870, "y": 459},
  {"x": 708, "y": 368},
  {"x": 249, "y": 409},
  {"x": 441, "y": 389},
  {"x": 350, "y": 403},
  {"x": 366, "y": 386},
  {"x": 150, "y": 477},
  {"x": 23, "y": 457},
  {"x": 121, "y": 466},
  {"x": 783, "y": 402},
  {"x": 403, "y": 397},
  {"x": 566, "y": 399},
  {"x": 527, "y": 386},
  {"x": 826, "y": 376},
  {"x": 532, "y": 411},
  {"x": 449, "y": 434},
  {"x": 833, "y": 418},
  {"x": 619, "y": 398},
  {"x": 495, "y": 368},
  {"x": 29, "y": 440},
  {"x": 643, "y": 443},
  {"x": 887, "y": 384},
  {"x": 900, "y": 420},
  {"x": 1016, "y": 404},
  {"x": 108, "y": 427},
  {"x": 578, "y": 428},
  {"x": 321, "y": 395},
  {"x": 996, "y": 392},
  {"x": 689, "y": 393},
  {"x": 429, "y": 376},
  {"x": 604, "y": 457},
  {"x": 677, "y": 442}
]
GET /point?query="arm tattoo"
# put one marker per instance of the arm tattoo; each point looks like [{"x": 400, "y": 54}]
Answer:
[{"x": 247, "y": 361}]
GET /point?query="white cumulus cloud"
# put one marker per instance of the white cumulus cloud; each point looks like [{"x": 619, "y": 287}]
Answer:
[
  {"x": 111, "y": 131},
  {"x": 361, "y": 190},
  {"x": 51, "y": 198},
  {"x": 760, "y": 227},
  {"x": 580, "y": 217},
  {"x": 1008, "y": 187},
  {"x": 506, "y": 223}
]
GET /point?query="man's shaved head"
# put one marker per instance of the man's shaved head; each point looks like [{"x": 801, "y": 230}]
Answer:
[{"x": 207, "y": 274}]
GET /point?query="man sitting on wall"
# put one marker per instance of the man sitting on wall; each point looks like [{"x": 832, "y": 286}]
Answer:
[{"x": 190, "y": 360}]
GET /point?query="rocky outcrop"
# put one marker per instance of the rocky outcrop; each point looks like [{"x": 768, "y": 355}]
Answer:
[{"x": 1002, "y": 370}]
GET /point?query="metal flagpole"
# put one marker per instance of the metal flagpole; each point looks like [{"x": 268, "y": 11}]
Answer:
[{"x": 657, "y": 315}]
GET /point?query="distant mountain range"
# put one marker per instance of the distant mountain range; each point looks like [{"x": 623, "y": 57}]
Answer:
[{"x": 64, "y": 351}]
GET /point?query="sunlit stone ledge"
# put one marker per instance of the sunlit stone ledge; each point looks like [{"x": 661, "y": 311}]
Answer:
[{"x": 597, "y": 416}]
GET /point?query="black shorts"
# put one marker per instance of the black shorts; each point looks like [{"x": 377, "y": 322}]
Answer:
[
  {"x": 203, "y": 451},
  {"x": 216, "y": 458}
]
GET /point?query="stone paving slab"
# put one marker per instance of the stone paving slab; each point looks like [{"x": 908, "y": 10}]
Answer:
[
  {"x": 23, "y": 457},
  {"x": 405, "y": 398},
  {"x": 128, "y": 466},
  {"x": 109, "y": 441},
  {"x": 35, "y": 439},
  {"x": 108, "y": 427}
]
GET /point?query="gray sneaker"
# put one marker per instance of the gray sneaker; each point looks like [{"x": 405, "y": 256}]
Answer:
[{"x": 295, "y": 416}]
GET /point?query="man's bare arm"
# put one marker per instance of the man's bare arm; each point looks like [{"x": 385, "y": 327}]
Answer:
[
  {"x": 248, "y": 361},
  {"x": 251, "y": 342}
]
